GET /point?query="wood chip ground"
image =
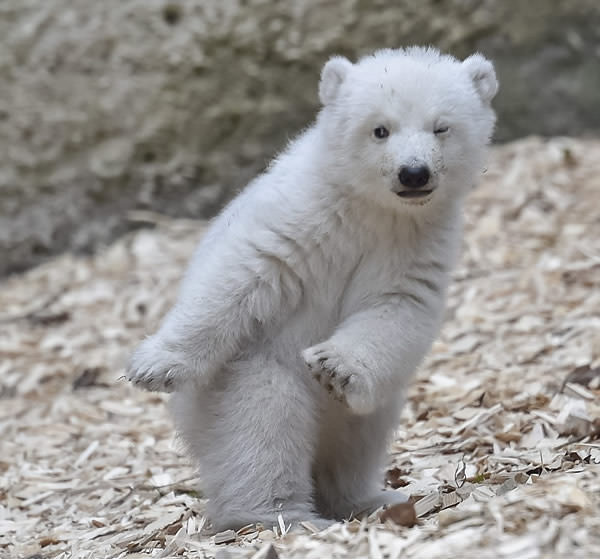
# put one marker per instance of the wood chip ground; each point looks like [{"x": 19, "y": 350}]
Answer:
[{"x": 499, "y": 444}]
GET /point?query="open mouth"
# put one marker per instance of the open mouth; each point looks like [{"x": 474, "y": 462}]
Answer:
[{"x": 415, "y": 194}]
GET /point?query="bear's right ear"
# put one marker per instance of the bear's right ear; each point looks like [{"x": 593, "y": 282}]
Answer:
[{"x": 333, "y": 74}]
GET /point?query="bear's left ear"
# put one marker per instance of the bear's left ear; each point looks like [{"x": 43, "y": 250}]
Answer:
[
  {"x": 333, "y": 74},
  {"x": 481, "y": 72}
]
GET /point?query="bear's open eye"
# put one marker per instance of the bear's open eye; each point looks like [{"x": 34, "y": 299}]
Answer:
[
  {"x": 441, "y": 129},
  {"x": 381, "y": 132}
]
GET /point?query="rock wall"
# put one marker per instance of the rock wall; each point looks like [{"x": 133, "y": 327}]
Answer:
[{"x": 172, "y": 105}]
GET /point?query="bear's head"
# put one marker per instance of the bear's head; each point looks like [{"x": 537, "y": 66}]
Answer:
[{"x": 407, "y": 125}]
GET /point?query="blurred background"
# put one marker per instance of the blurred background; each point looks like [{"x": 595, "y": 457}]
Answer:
[{"x": 172, "y": 105}]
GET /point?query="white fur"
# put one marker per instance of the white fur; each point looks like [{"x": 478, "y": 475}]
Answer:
[
  {"x": 318, "y": 291},
  {"x": 332, "y": 76}
]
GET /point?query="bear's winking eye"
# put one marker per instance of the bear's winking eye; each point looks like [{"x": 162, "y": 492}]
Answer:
[
  {"x": 441, "y": 129},
  {"x": 381, "y": 132}
]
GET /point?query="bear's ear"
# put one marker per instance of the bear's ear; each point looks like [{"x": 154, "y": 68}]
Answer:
[
  {"x": 481, "y": 71},
  {"x": 333, "y": 74}
]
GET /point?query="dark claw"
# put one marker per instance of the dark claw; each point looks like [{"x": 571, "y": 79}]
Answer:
[{"x": 345, "y": 381}]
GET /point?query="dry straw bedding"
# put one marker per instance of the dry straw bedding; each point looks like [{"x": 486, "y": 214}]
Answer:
[{"x": 499, "y": 442}]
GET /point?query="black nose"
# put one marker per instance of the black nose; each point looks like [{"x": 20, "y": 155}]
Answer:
[{"x": 414, "y": 177}]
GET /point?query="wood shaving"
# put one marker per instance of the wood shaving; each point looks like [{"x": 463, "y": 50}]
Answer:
[
  {"x": 400, "y": 514},
  {"x": 499, "y": 444}
]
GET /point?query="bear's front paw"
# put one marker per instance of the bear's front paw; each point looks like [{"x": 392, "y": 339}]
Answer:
[
  {"x": 155, "y": 368},
  {"x": 347, "y": 382}
]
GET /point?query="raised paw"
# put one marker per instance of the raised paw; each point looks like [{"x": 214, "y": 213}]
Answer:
[
  {"x": 155, "y": 369},
  {"x": 346, "y": 382}
]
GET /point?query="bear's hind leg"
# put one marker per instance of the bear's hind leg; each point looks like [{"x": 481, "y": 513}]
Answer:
[
  {"x": 253, "y": 432},
  {"x": 350, "y": 463}
]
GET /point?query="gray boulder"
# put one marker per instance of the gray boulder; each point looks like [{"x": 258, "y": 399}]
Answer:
[{"x": 172, "y": 105}]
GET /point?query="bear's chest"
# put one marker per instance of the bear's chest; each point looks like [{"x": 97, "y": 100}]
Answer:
[{"x": 347, "y": 269}]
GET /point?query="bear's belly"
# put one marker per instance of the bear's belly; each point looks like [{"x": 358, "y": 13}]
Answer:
[
  {"x": 326, "y": 302},
  {"x": 313, "y": 321}
]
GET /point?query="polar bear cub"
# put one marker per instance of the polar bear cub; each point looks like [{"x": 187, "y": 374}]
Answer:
[{"x": 317, "y": 292}]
